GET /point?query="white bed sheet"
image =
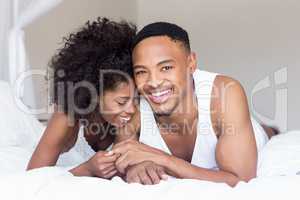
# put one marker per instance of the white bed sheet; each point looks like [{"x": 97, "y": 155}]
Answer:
[
  {"x": 277, "y": 167},
  {"x": 277, "y": 179},
  {"x": 55, "y": 183}
]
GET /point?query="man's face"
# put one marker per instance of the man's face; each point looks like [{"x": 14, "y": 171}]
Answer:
[{"x": 162, "y": 71}]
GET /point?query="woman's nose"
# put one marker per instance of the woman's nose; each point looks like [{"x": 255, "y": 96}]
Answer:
[{"x": 130, "y": 108}]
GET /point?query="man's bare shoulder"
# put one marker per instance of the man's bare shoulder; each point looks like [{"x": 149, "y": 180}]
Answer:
[
  {"x": 225, "y": 86},
  {"x": 225, "y": 90},
  {"x": 222, "y": 82}
]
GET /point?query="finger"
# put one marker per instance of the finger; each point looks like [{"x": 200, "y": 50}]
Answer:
[
  {"x": 145, "y": 179},
  {"x": 110, "y": 153},
  {"x": 122, "y": 147},
  {"x": 110, "y": 174},
  {"x": 109, "y": 169},
  {"x": 122, "y": 163},
  {"x": 103, "y": 166},
  {"x": 120, "y": 150},
  {"x": 118, "y": 155},
  {"x": 153, "y": 175},
  {"x": 108, "y": 159},
  {"x": 162, "y": 174},
  {"x": 133, "y": 179}
]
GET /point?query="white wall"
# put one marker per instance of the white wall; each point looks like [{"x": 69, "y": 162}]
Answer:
[
  {"x": 5, "y": 23},
  {"x": 44, "y": 36},
  {"x": 246, "y": 39}
]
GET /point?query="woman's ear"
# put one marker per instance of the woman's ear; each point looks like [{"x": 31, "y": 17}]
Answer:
[{"x": 192, "y": 62}]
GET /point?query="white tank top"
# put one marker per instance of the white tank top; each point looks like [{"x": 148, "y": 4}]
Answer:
[{"x": 206, "y": 140}]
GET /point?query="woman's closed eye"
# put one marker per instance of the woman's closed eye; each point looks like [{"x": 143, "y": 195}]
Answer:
[
  {"x": 121, "y": 103},
  {"x": 139, "y": 72}
]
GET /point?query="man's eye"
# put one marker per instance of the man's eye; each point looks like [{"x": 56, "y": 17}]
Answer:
[{"x": 166, "y": 68}]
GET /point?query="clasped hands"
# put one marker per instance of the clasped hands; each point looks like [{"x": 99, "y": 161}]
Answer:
[{"x": 133, "y": 161}]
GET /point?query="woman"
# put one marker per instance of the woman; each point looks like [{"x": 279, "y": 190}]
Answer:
[{"x": 93, "y": 88}]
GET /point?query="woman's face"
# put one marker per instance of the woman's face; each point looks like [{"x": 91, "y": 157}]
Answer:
[{"x": 118, "y": 106}]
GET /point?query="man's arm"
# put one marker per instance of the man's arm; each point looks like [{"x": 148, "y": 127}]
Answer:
[{"x": 236, "y": 152}]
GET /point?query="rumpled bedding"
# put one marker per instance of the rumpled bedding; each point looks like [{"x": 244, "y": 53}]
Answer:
[
  {"x": 278, "y": 165},
  {"x": 55, "y": 183}
]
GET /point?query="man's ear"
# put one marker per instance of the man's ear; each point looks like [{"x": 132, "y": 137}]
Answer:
[{"x": 192, "y": 62}]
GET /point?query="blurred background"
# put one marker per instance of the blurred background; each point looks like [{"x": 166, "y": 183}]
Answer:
[{"x": 254, "y": 41}]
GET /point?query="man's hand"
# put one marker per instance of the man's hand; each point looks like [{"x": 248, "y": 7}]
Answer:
[
  {"x": 132, "y": 153},
  {"x": 123, "y": 147},
  {"x": 146, "y": 173}
]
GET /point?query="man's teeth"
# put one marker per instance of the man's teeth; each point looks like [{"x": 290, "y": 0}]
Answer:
[{"x": 157, "y": 94}]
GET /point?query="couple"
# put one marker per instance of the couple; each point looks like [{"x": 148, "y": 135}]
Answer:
[{"x": 152, "y": 114}]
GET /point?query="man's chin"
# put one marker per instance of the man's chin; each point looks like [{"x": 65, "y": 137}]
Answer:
[
  {"x": 163, "y": 111},
  {"x": 162, "y": 114}
]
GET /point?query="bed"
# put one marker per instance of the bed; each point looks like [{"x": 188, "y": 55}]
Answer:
[{"x": 278, "y": 169}]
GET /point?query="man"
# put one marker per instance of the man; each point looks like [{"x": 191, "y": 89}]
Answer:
[{"x": 193, "y": 124}]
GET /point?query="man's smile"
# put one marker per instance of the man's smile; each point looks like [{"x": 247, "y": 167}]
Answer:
[{"x": 160, "y": 96}]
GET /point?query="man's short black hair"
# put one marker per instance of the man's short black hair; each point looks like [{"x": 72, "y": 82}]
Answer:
[{"x": 170, "y": 30}]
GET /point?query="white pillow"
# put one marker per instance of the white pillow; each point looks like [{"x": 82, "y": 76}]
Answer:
[
  {"x": 21, "y": 132},
  {"x": 281, "y": 155},
  {"x": 18, "y": 128},
  {"x": 13, "y": 160}
]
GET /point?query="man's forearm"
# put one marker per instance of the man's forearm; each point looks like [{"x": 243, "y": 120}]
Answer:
[{"x": 182, "y": 169}]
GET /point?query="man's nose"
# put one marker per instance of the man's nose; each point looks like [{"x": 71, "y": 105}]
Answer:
[{"x": 154, "y": 80}]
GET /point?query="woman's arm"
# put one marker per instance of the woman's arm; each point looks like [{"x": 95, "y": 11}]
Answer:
[{"x": 59, "y": 136}]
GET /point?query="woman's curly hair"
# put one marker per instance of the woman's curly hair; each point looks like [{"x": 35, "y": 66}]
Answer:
[{"x": 98, "y": 45}]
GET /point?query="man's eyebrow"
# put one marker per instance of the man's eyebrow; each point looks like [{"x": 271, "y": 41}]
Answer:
[
  {"x": 165, "y": 61},
  {"x": 160, "y": 63}
]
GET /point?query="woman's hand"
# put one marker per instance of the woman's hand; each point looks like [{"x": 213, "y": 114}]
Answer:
[
  {"x": 101, "y": 165},
  {"x": 133, "y": 152}
]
